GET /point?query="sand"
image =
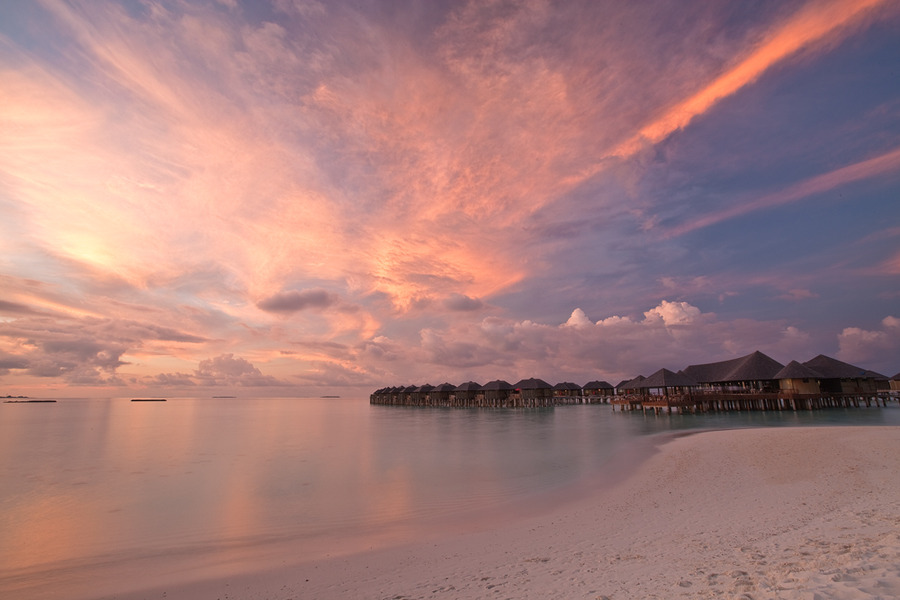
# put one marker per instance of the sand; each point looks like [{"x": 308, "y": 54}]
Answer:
[{"x": 765, "y": 513}]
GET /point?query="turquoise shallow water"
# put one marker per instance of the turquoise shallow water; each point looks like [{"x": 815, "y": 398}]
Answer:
[{"x": 89, "y": 484}]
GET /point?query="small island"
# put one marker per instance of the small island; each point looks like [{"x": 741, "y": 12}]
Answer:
[{"x": 25, "y": 400}]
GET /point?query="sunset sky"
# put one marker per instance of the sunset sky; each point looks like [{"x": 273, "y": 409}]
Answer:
[{"x": 289, "y": 197}]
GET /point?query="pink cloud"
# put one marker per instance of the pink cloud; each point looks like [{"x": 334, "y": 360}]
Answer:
[
  {"x": 672, "y": 334},
  {"x": 815, "y": 23},
  {"x": 863, "y": 347},
  {"x": 294, "y": 300},
  {"x": 175, "y": 173}
]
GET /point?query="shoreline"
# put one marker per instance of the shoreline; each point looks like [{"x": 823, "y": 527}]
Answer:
[{"x": 776, "y": 513}]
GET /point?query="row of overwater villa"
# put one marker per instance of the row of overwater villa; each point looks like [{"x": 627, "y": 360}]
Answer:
[{"x": 752, "y": 382}]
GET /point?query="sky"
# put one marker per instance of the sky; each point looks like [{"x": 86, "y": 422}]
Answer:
[{"x": 295, "y": 197}]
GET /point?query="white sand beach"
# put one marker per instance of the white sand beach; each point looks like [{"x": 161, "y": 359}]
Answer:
[{"x": 764, "y": 513}]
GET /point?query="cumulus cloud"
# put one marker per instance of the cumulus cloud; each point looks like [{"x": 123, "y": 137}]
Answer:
[
  {"x": 172, "y": 380},
  {"x": 672, "y": 335},
  {"x": 865, "y": 347},
  {"x": 673, "y": 313},
  {"x": 224, "y": 370},
  {"x": 578, "y": 319},
  {"x": 294, "y": 300},
  {"x": 81, "y": 351},
  {"x": 228, "y": 369}
]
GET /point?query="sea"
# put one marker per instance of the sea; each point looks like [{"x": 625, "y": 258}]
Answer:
[{"x": 97, "y": 495}]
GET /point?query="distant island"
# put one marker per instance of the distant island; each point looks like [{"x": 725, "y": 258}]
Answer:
[
  {"x": 24, "y": 400},
  {"x": 224, "y": 396}
]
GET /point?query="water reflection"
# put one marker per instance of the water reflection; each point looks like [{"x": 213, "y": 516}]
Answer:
[{"x": 218, "y": 482}]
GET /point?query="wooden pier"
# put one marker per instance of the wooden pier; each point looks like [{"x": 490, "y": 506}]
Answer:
[
  {"x": 481, "y": 400},
  {"x": 754, "y": 382},
  {"x": 722, "y": 402}
]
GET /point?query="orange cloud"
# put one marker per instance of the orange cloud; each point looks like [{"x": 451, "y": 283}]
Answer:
[{"x": 814, "y": 24}]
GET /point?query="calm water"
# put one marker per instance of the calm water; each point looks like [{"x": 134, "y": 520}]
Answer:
[{"x": 102, "y": 488}]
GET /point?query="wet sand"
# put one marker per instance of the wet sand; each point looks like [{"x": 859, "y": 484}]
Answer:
[{"x": 763, "y": 513}]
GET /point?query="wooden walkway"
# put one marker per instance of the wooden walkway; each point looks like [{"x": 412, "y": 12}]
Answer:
[
  {"x": 684, "y": 403},
  {"x": 719, "y": 402},
  {"x": 482, "y": 401}
]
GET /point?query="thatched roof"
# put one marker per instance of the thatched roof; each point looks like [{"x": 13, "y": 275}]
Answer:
[
  {"x": 795, "y": 370},
  {"x": 753, "y": 367},
  {"x": 533, "y": 384},
  {"x": 424, "y": 388},
  {"x": 832, "y": 368},
  {"x": 664, "y": 378},
  {"x": 597, "y": 385},
  {"x": 896, "y": 377},
  {"x": 497, "y": 385},
  {"x": 444, "y": 387},
  {"x": 469, "y": 386},
  {"x": 566, "y": 386},
  {"x": 409, "y": 389}
]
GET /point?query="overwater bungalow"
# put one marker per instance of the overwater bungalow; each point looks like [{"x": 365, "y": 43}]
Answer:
[
  {"x": 665, "y": 383},
  {"x": 408, "y": 394},
  {"x": 797, "y": 378},
  {"x": 567, "y": 392},
  {"x": 442, "y": 395},
  {"x": 419, "y": 396},
  {"x": 664, "y": 389},
  {"x": 497, "y": 393},
  {"x": 751, "y": 382},
  {"x": 469, "y": 394},
  {"x": 630, "y": 386},
  {"x": 836, "y": 377},
  {"x": 754, "y": 372},
  {"x": 533, "y": 392},
  {"x": 596, "y": 392}
]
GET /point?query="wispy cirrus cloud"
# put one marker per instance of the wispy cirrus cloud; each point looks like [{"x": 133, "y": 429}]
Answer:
[
  {"x": 886, "y": 163},
  {"x": 817, "y": 23}
]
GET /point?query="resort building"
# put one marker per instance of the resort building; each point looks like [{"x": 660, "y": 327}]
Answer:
[
  {"x": 567, "y": 389},
  {"x": 630, "y": 386},
  {"x": 751, "y": 382},
  {"x": 468, "y": 393},
  {"x": 497, "y": 392},
  {"x": 533, "y": 392},
  {"x": 836, "y": 377},
  {"x": 754, "y": 372},
  {"x": 797, "y": 378},
  {"x": 598, "y": 391}
]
